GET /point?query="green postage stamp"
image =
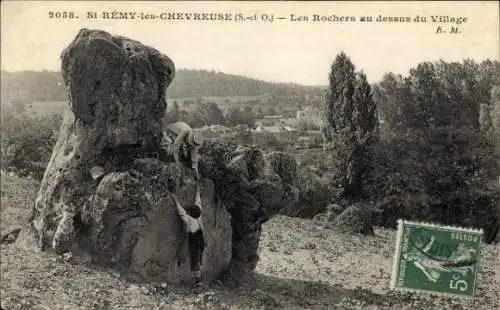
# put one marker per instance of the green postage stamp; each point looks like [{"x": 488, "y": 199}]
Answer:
[{"x": 440, "y": 260}]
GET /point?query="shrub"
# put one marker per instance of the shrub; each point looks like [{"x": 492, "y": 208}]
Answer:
[
  {"x": 460, "y": 170},
  {"x": 396, "y": 180},
  {"x": 217, "y": 153},
  {"x": 27, "y": 142},
  {"x": 444, "y": 178},
  {"x": 315, "y": 194}
]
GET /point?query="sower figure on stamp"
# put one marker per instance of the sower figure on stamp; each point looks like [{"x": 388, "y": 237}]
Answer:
[
  {"x": 185, "y": 145},
  {"x": 191, "y": 217}
]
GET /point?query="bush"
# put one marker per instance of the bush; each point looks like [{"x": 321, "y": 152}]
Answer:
[
  {"x": 444, "y": 178},
  {"x": 27, "y": 143},
  {"x": 395, "y": 180},
  {"x": 219, "y": 151},
  {"x": 460, "y": 173},
  {"x": 315, "y": 194}
]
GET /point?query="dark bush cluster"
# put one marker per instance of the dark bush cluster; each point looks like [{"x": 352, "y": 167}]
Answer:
[
  {"x": 427, "y": 152},
  {"x": 444, "y": 178},
  {"x": 27, "y": 142},
  {"x": 315, "y": 193}
]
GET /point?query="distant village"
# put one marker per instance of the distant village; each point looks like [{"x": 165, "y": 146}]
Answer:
[
  {"x": 292, "y": 118},
  {"x": 295, "y": 118}
]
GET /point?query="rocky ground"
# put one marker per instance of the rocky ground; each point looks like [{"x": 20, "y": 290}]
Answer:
[{"x": 304, "y": 265}]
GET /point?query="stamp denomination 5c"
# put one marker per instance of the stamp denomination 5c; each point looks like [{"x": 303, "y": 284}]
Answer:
[{"x": 441, "y": 260}]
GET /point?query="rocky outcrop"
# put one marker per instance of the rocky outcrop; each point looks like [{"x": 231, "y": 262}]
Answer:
[
  {"x": 332, "y": 211},
  {"x": 253, "y": 186},
  {"x": 355, "y": 219},
  {"x": 107, "y": 189},
  {"x": 10, "y": 234}
]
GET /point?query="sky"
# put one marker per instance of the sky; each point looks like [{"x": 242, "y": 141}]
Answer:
[{"x": 278, "y": 51}]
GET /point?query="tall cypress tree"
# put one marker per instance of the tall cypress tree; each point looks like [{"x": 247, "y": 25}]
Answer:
[
  {"x": 363, "y": 123},
  {"x": 349, "y": 121},
  {"x": 364, "y": 117},
  {"x": 339, "y": 98}
]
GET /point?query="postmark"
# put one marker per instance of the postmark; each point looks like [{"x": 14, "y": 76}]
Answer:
[{"x": 439, "y": 260}]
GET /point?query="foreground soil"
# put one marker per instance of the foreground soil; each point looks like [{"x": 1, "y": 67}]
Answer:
[{"x": 303, "y": 265}]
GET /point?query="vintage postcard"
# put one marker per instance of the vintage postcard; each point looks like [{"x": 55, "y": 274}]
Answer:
[{"x": 250, "y": 154}]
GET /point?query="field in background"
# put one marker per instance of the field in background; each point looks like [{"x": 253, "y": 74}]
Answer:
[
  {"x": 57, "y": 107},
  {"x": 46, "y": 107},
  {"x": 304, "y": 265}
]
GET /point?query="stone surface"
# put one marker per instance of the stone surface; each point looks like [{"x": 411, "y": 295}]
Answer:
[
  {"x": 332, "y": 211},
  {"x": 10, "y": 234},
  {"x": 355, "y": 219},
  {"x": 256, "y": 187},
  {"x": 106, "y": 195},
  {"x": 106, "y": 192}
]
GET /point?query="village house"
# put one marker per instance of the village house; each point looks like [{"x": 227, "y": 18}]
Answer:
[
  {"x": 215, "y": 131},
  {"x": 311, "y": 115}
]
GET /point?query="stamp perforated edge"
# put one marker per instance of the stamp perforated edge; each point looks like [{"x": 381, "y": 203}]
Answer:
[
  {"x": 397, "y": 252},
  {"x": 450, "y": 227}
]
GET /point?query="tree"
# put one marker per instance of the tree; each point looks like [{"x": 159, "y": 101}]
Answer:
[
  {"x": 495, "y": 112},
  {"x": 495, "y": 116},
  {"x": 392, "y": 97},
  {"x": 304, "y": 124},
  {"x": 485, "y": 120},
  {"x": 234, "y": 116},
  {"x": 365, "y": 111},
  {"x": 211, "y": 114},
  {"x": 271, "y": 111},
  {"x": 237, "y": 117},
  {"x": 206, "y": 113},
  {"x": 350, "y": 118},
  {"x": 363, "y": 122},
  {"x": 426, "y": 98},
  {"x": 339, "y": 101},
  {"x": 259, "y": 113},
  {"x": 471, "y": 94}
]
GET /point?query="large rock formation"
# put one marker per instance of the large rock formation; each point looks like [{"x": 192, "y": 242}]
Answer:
[
  {"x": 107, "y": 190},
  {"x": 265, "y": 188},
  {"x": 253, "y": 186}
]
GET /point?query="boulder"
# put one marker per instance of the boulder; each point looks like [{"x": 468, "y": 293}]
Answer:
[
  {"x": 106, "y": 194},
  {"x": 107, "y": 190},
  {"x": 254, "y": 187},
  {"x": 10, "y": 234},
  {"x": 332, "y": 211},
  {"x": 355, "y": 219}
]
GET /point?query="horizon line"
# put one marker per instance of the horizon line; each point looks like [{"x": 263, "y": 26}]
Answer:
[{"x": 280, "y": 82}]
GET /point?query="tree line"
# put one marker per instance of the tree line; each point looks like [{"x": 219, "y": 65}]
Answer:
[
  {"x": 31, "y": 86},
  {"x": 208, "y": 113},
  {"x": 424, "y": 146}
]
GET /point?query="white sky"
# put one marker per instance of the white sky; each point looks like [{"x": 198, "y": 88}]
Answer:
[{"x": 282, "y": 51}]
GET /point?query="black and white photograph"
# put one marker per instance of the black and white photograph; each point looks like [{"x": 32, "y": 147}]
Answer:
[{"x": 250, "y": 155}]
